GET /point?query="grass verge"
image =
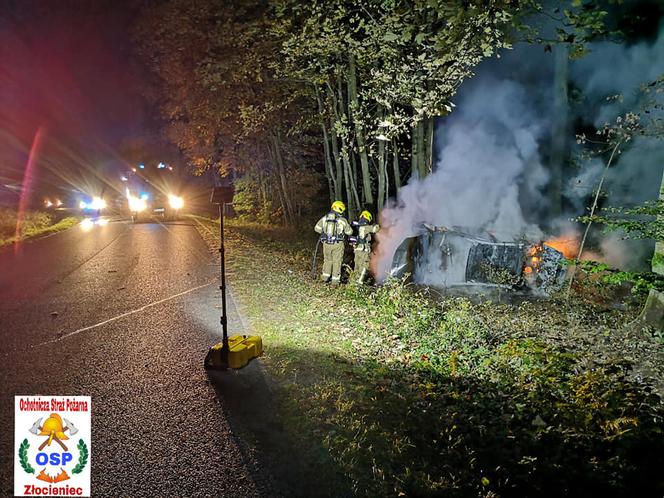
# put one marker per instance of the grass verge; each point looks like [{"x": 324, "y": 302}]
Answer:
[
  {"x": 34, "y": 223},
  {"x": 413, "y": 396}
]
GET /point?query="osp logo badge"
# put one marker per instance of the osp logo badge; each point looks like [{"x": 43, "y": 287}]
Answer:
[{"x": 52, "y": 445}]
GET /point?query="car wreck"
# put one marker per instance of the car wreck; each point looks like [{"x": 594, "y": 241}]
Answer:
[{"x": 458, "y": 262}]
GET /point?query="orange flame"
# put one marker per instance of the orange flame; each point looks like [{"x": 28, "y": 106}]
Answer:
[
  {"x": 534, "y": 258},
  {"x": 567, "y": 243}
]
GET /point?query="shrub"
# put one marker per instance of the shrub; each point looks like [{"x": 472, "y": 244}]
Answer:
[{"x": 33, "y": 221}]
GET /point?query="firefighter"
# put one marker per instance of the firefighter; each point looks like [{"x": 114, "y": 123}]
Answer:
[
  {"x": 334, "y": 229},
  {"x": 365, "y": 229}
]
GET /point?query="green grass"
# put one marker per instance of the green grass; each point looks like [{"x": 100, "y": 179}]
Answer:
[
  {"x": 35, "y": 223},
  {"x": 420, "y": 397}
]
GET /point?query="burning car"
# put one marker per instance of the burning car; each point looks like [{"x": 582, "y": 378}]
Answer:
[{"x": 460, "y": 262}]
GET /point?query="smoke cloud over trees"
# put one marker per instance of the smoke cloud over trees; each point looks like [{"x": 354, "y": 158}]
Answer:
[{"x": 494, "y": 153}]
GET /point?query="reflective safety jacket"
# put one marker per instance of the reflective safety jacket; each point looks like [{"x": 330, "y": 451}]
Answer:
[
  {"x": 364, "y": 233},
  {"x": 333, "y": 228}
]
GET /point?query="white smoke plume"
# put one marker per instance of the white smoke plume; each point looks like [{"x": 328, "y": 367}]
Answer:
[
  {"x": 490, "y": 174},
  {"x": 612, "y": 69},
  {"x": 489, "y": 160}
]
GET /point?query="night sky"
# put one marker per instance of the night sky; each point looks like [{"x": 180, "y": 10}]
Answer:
[{"x": 67, "y": 69}]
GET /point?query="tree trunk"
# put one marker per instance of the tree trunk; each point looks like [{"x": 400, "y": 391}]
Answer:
[
  {"x": 354, "y": 202},
  {"x": 282, "y": 200},
  {"x": 414, "y": 149},
  {"x": 334, "y": 141},
  {"x": 560, "y": 127},
  {"x": 421, "y": 149},
  {"x": 395, "y": 165},
  {"x": 262, "y": 194},
  {"x": 428, "y": 145},
  {"x": 353, "y": 171},
  {"x": 351, "y": 188},
  {"x": 283, "y": 182},
  {"x": 354, "y": 112},
  {"x": 386, "y": 193},
  {"x": 382, "y": 174},
  {"x": 329, "y": 166},
  {"x": 349, "y": 184},
  {"x": 338, "y": 166}
]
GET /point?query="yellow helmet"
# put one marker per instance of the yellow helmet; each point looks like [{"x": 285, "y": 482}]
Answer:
[
  {"x": 338, "y": 207},
  {"x": 366, "y": 215},
  {"x": 53, "y": 427}
]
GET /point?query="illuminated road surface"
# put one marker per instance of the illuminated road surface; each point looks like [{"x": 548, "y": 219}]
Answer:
[{"x": 124, "y": 313}]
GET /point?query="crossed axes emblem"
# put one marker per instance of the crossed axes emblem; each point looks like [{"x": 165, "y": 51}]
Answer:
[{"x": 54, "y": 430}]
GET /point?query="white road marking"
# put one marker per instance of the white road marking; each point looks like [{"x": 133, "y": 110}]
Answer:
[{"x": 123, "y": 315}]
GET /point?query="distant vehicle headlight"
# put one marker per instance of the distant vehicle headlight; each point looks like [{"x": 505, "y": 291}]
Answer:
[
  {"x": 136, "y": 204},
  {"x": 97, "y": 203},
  {"x": 175, "y": 201}
]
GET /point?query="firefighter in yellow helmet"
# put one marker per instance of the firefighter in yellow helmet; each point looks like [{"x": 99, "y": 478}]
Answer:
[
  {"x": 334, "y": 229},
  {"x": 365, "y": 231}
]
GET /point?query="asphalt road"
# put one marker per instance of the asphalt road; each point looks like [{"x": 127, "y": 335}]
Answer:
[{"x": 124, "y": 313}]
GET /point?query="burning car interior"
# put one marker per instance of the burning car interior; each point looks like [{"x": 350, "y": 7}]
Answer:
[{"x": 456, "y": 261}]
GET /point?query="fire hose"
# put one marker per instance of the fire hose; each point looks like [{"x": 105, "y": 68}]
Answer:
[{"x": 313, "y": 262}]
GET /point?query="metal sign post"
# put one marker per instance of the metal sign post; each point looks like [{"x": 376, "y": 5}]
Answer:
[
  {"x": 220, "y": 196},
  {"x": 237, "y": 351},
  {"x": 222, "y": 287}
]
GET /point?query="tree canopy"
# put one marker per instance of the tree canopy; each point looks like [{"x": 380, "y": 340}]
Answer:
[{"x": 285, "y": 91}]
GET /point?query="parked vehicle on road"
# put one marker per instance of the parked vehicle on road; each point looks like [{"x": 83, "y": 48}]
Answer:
[{"x": 153, "y": 193}]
